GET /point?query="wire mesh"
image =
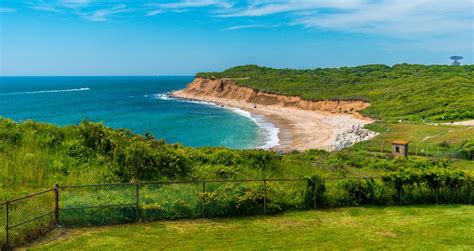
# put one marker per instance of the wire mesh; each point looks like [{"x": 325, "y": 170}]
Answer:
[
  {"x": 107, "y": 204},
  {"x": 168, "y": 200},
  {"x": 97, "y": 204}
]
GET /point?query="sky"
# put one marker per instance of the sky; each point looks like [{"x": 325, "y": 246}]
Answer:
[{"x": 183, "y": 37}]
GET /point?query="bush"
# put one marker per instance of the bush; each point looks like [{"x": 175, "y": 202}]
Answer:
[
  {"x": 10, "y": 132},
  {"x": 96, "y": 136},
  {"x": 356, "y": 192},
  {"x": 467, "y": 149},
  {"x": 236, "y": 200},
  {"x": 314, "y": 193}
]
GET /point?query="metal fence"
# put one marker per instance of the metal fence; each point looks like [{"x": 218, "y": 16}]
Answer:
[{"x": 105, "y": 204}]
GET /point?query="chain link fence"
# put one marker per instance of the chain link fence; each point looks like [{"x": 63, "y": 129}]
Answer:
[{"x": 28, "y": 217}]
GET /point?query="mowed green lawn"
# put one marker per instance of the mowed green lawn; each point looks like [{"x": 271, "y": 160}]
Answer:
[{"x": 407, "y": 227}]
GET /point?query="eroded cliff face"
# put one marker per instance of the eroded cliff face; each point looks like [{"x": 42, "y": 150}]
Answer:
[{"x": 207, "y": 89}]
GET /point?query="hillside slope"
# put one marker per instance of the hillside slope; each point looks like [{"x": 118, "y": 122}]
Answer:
[
  {"x": 408, "y": 92},
  {"x": 226, "y": 88}
]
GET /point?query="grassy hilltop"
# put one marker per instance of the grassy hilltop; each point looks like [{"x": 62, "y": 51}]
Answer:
[{"x": 408, "y": 92}]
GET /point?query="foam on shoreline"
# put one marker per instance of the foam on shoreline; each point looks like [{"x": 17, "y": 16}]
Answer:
[{"x": 268, "y": 131}]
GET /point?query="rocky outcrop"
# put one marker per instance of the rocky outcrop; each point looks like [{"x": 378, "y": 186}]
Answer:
[{"x": 206, "y": 89}]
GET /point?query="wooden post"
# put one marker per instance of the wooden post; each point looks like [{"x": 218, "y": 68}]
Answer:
[
  {"x": 137, "y": 202},
  {"x": 7, "y": 227},
  {"x": 400, "y": 196},
  {"x": 315, "y": 205},
  {"x": 360, "y": 189},
  {"x": 469, "y": 194},
  {"x": 204, "y": 186},
  {"x": 56, "y": 204},
  {"x": 264, "y": 196},
  {"x": 436, "y": 194}
]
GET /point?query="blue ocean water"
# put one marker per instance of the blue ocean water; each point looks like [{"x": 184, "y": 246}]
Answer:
[{"x": 137, "y": 103}]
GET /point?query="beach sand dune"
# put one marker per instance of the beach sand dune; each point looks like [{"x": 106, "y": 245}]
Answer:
[{"x": 303, "y": 124}]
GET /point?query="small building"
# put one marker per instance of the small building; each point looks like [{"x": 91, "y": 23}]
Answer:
[{"x": 399, "y": 148}]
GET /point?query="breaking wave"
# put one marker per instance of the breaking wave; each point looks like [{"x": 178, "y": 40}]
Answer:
[{"x": 48, "y": 91}]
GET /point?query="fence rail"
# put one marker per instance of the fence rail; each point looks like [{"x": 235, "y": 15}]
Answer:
[{"x": 133, "y": 199}]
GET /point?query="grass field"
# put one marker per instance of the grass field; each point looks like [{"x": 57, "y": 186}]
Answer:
[
  {"x": 424, "y": 139},
  {"x": 415, "y": 227}
]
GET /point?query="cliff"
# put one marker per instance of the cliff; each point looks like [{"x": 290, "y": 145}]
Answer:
[{"x": 210, "y": 90}]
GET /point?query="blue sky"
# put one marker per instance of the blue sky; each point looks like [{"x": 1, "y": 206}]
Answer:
[{"x": 182, "y": 37}]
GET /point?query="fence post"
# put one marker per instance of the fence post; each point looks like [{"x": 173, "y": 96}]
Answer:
[
  {"x": 360, "y": 191},
  {"x": 137, "y": 202},
  {"x": 204, "y": 186},
  {"x": 7, "y": 227},
  {"x": 400, "y": 196},
  {"x": 436, "y": 194},
  {"x": 56, "y": 204},
  {"x": 315, "y": 205},
  {"x": 469, "y": 194},
  {"x": 264, "y": 196}
]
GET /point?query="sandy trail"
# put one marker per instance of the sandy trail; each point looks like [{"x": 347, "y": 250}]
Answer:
[{"x": 461, "y": 123}]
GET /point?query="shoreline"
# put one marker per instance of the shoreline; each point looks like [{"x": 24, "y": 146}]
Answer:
[
  {"x": 270, "y": 138},
  {"x": 298, "y": 129}
]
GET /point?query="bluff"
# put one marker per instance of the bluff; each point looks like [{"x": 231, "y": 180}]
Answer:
[{"x": 213, "y": 89}]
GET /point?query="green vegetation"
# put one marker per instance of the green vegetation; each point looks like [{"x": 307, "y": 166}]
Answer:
[
  {"x": 414, "y": 227},
  {"x": 37, "y": 155},
  {"x": 425, "y": 140},
  {"x": 407, "y": 92}
]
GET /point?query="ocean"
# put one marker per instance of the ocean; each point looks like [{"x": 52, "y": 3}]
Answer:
[{"x": 140, "y": 104}]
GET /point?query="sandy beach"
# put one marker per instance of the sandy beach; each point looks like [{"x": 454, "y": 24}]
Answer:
[{"x": 299, "y": 129}]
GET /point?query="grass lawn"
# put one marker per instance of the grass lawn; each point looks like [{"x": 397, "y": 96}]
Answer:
[{"x": 410, "y": 227}]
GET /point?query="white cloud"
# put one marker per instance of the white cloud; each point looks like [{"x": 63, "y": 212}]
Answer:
[
  {"x": 402, "y": 18},
  {"x": 6, "y": 10},
  {"x": 399, "y": 17},
  {"x": 265, "y": 8},
  {"x": 74, "y": 4},
  {"x": 154, "y": 12},
  {"x": 183, "y": 6},
  {"x": 103, "y": 14},
  {"x": 250, "y": 26},
  {"x": 194, "y": 4},
  {"x": 46, "y": 8}
]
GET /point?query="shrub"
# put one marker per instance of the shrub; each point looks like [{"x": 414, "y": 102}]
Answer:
[
  {"x": 10, "y": 132},
  {"x": 467, "y": 149},
  {"x": 96, "y": 136},
  {"x": 314, "y": 193},
  {"x": 235, "y": 200}
]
